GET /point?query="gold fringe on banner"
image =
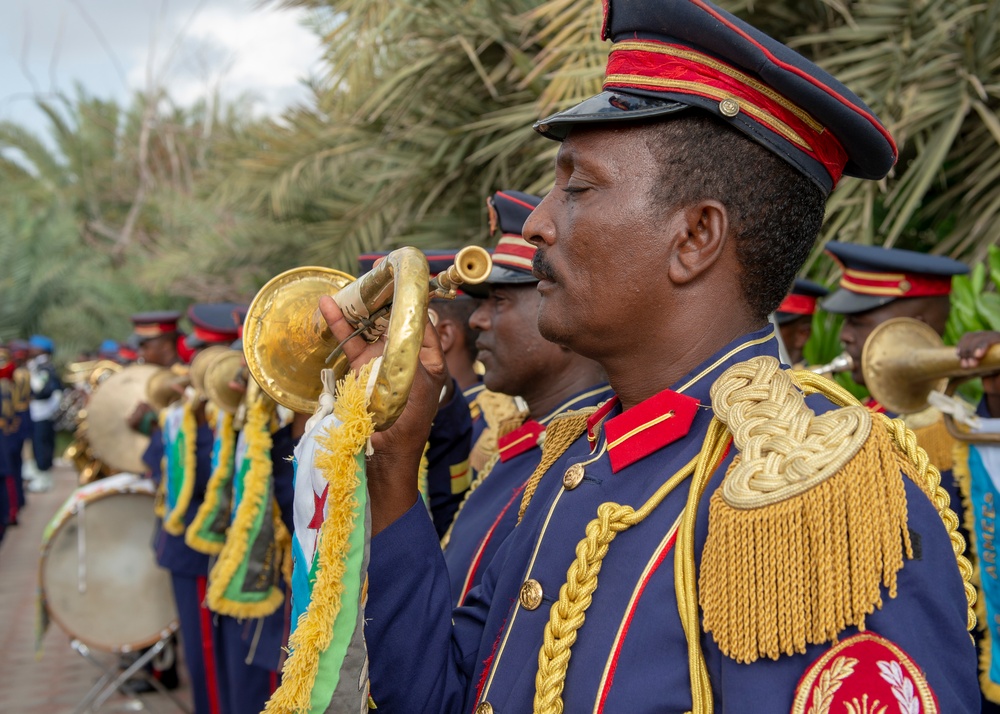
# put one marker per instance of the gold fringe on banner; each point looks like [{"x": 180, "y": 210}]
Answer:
[
  {"x": 337, "y": 462},
  {"x": 960, "y": 465},
  {"x": 256, "y": 489},
  {"x": 223, "y": 472},
  {"x": 173, "y": 522}
]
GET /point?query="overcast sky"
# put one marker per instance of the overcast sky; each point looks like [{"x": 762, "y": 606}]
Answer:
[{"x": 105, "y": 45}]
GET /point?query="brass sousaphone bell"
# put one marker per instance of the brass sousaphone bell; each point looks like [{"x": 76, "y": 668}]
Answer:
[
  {"x": 904, "y": 360},
  {"x": 287, "y": 343}
]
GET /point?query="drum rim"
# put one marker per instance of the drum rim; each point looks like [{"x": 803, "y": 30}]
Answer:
[{"x": 167, "y": 631}]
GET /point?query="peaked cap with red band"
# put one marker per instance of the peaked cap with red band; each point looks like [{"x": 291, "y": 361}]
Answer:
[
  {"x": 873, "y": 276},
  {"x": 214, "y": 323},
  {"x": 670, "y": 56},
  {"x": 513, "y": 254},
  {"x": 800, "y": 301},
  {"x": 437, "y": 261},
  {"x": 147, "y": 325}
]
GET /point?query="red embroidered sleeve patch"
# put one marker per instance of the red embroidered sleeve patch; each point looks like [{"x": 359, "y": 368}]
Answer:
[{"x": 864, "y": 674}]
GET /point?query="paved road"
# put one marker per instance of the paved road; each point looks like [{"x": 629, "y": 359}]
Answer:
[{"x": 58, "y": 681}]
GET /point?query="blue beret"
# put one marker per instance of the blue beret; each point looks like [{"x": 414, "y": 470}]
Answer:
[
  {"x": 872, "y": 276},
  {"x": 670, "y": 56},
  {"x": 41, "y": 342}
]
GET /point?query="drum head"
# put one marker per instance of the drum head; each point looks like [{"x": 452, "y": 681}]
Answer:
[{"x": 100, "y": 578}]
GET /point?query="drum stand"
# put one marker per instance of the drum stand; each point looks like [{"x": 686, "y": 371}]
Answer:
[{"x": 112, "y": 680}]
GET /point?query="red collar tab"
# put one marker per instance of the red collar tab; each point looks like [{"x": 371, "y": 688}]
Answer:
[
  {"x": 522, "y": 439},
  {"x": 908, "y": 285},
  {"x": 648, "y": 427},
  {"x": 650, "y": 65},
  {"x": 798, "y": 305},
  {"x": 873, "y": 405},
  {"x": 595, "y": 419}
]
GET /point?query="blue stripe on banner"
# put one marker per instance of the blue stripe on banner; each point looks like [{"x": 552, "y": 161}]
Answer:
[{"x": 984, "y": 501}]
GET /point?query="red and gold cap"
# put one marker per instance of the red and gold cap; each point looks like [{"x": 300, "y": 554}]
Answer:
[
  {"x": 873, "y": 276},
  {"x": 801, "y": 301},
  {"x": 147, "y": 325},
  {"x": 508, "y": 210},
  {"x": 673, "y": 56}
]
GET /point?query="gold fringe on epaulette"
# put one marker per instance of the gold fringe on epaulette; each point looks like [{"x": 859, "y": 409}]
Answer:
[
  {"x": 937, "y": 442},
  {"x": 340, "y": 447},
  {"x": 784, "y": 575},
  {"x": 173, "y": 521},
  {"x": 422, "y": 472},
  {"x": 223, "y": 472},
  {"x": 963, "y": 476},
  {"x": 256, "y": 489}
]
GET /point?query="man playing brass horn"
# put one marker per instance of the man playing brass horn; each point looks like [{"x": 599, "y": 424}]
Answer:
[
  {"x": 738, "y": 541},
  {"x": 878, "y": 285}
]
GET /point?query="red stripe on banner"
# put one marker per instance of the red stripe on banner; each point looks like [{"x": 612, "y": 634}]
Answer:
[
  {"x": 628, "y": 621},
  {"x": 207, "y": 651}
]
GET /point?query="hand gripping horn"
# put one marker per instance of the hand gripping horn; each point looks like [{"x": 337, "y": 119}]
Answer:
[{"x": 287, "y": 343}]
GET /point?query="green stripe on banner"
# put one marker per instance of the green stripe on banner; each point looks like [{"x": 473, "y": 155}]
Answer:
[{"x": 330, "y": 661}]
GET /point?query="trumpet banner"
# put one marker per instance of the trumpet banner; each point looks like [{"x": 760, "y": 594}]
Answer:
[
  {"x": 983, "y": 478},
  {"x": 327, "y": 670},
  {"x": 245, "y": 580}
]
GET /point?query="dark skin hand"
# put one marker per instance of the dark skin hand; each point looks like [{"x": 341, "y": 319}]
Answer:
[
  {"x": 392, "y": 469},
  {"x": 971, "y": 349},
  {"x": 134, "y": 420}
]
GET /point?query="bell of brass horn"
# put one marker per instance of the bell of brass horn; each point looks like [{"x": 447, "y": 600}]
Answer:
[
  {"x": 167, "y": 385},
  {"x": 840, "y": 363},
  {"x": 904, "y": 360},
  {"x": 109, "y": 435},
  {"x": 200, "y": 364},
  {"x": 287, "y": 343},
  {"x": 218, "y": 381}
]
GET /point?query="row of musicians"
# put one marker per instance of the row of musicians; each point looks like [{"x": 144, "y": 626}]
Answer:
[{"x": 227, "y": 505}]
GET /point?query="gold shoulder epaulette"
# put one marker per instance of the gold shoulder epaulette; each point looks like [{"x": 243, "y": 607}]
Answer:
[
  {"x": 500, "y": 413},
  {"x": 811, "y": 519}
]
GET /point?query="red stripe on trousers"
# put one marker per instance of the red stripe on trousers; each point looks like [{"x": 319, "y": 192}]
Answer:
[{"x": 207, "y": 651}]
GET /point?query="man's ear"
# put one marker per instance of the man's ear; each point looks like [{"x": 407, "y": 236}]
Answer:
[
  {"x": 447, "y": 333},
  {"x": 700, "y": 234}
]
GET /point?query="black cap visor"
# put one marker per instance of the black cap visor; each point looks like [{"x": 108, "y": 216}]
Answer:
[
  {"x": 500, "y": 275},
  {"x": 844, "y": 302},
  {"x": 605, "y": 107}
]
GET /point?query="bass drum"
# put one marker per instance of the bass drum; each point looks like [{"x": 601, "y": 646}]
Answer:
[
  {"x": 110, "y": 437},
  {"x": 98, "y": 575}
]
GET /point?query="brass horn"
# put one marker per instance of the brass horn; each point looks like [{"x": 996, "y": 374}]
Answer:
[
  {"x": 167, "y": 385},
  {"x": 218, "y": 380},
  {"x": 287, "y": 343},
  {"x": 904, "y": 360},
  {"x": 201, "y": 364},
  {"x": 840, "y": 363}
]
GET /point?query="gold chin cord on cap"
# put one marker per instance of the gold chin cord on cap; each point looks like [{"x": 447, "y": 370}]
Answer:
[{"x": 287, "y": 343}]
